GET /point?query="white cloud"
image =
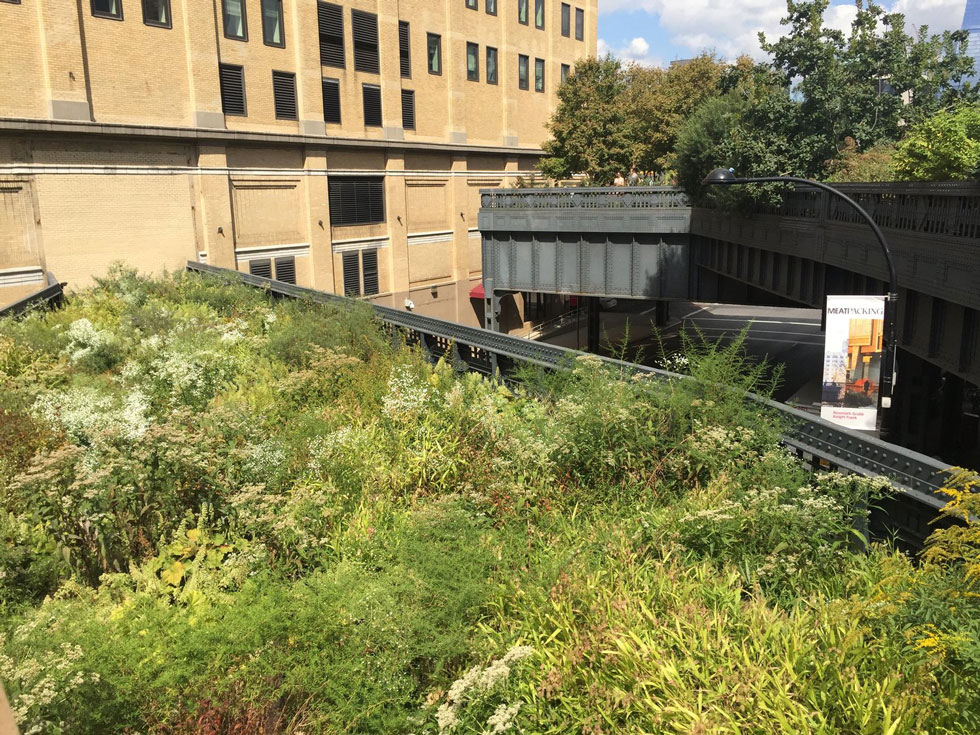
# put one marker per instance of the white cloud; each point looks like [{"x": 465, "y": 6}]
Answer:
[
  {"x": 637, "y": 50},
  {"x": 731, "y": 27}
]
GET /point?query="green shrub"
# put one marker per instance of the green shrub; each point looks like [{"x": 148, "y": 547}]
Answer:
[{"x": 944, "y": 147}]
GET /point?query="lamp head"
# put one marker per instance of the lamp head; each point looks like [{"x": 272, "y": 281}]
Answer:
[{"x": 720, "y": 176}]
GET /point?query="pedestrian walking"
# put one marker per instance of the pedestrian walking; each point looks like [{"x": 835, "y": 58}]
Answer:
[
  {"x": 634, "y": 179},
  {"x": 619, "y": 180}
]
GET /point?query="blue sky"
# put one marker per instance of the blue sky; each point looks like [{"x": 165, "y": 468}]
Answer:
[{"x": 659, "y": 31}]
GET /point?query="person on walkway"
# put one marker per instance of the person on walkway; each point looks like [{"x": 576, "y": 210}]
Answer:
[
  {"x": 619, "y": 180},
  {"x": 634, "y": 179}
]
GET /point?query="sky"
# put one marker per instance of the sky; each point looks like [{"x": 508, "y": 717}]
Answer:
[{"x": 656, "y": 32}]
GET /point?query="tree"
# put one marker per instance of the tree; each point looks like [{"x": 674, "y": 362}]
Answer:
[
  {"x": 658, "y": 101},
  {"x": 869, "y": 84},
  {"x": 944, "y": 147},
  {"x": 589, "y": 128}
]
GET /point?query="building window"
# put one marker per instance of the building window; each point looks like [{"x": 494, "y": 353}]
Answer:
[
  {"x": 539, "y": 75},
  {"x": 261, "y": 268},
  {"x": 355, "y": 264},
  {"x": 331, "y": 100},
  {"x": 434, "y": 45},
  {"x": 566, "y": 20},
  {"x": 579, "y": 24},
  {"x": 272, "y": 23},
  {"x": 539, "y": 14},
  {"x": 357, "y": 200},
  {"x": 157, "y": 13},
  {"x": 473, "y": 4},
  {"x": 284, "y": 95},
  {"x": 405, "y": 49},
  {"x": 522, "y": 11},
  {"x": 285, "y": 269},
  {"x": 330, "y": 22},
  {"x": 473, "y": 62},
  {"x": 364, "y": 29},
  {"x": 491, "y": 7},
  {"x": 236, "y": 25},
  {"x": 232, "y": 80},
  {"x": 408, "y": 109},
  {"x": 372, "y": 105},
  {"x": 491, "y": 65},
  {"x": 107, "y": 9},
  {"x": 522, "y": 71},
  {"x": 565, "y": 71}
]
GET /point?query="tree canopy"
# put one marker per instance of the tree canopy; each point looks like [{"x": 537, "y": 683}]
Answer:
[{"x": 827, "y": 104}]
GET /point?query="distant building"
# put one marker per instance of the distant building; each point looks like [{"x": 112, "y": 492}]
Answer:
[
  {"x": 339, "y": 145},
  {"x": 971, "y": 23}
]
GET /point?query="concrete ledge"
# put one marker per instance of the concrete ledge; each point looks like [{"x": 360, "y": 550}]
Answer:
[{"x": 223, "y": 137}]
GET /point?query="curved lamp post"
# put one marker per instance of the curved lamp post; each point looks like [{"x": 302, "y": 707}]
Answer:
[{"x": 726, "y": 176}]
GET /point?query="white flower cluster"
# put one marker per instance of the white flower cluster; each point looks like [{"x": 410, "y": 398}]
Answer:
[
  {"x": 479, "y": 680},
  {"x": 503, "y": 718},
  {"x": 84, "y": 340},
  {"x": 182, "y": 376},
  {"x": 407, "y": 394},
  {"x": 84, "y": 413},
  {"x": 42, "y": 682}
]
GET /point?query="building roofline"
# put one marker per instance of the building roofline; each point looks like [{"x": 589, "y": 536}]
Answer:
[{"x": 212, "y": 135}]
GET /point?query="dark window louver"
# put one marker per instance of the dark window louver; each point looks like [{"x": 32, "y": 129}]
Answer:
[
  {"x": 260, "y": 268},
  {"x": 330, "y": 20},
  {"x": 408, "y": 109},
  {"x": 284, "y": 94},
  {"x": 364, "y": 29},
  {"x": 331, "y": 101},
  {"x": 372, "y": 106},
  {"x": 352, "y": 274},
  {"x": 405, "y": 49},
  {"x": 286, "y": 270},
  {"x": 370, "y": 267},
  {"x": 232, "y": 80},
  {"x": 357, "y": 200}
]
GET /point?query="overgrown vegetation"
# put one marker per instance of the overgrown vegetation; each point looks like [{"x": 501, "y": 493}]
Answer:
[{"x": 223, "y": 514}]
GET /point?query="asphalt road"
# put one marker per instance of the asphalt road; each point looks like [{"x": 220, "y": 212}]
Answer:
[{"x": 781, "y": 336}]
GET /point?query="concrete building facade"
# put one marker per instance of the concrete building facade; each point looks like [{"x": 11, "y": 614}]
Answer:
[{"x": 340, "y": 145}]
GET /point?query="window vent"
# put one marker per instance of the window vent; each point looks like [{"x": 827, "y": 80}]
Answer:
[
  {"x": 357, "y": 200},
  {"x": 331, "y": 101},
  {"x": 284, "y": 93},
  {"x": 408, "y": 109},
  {"x": 372, "y": 106},
  {"x": 330, "y": 19},
  {"x": 261, "y": 268},
  {"x": 404, "y": 49},
  {"x": 365, "y": 31},
  {"x": 286, "y": 270},
  {"x": 370, "y": 263},
  {"x": 352, "y": 274},
  {"x": 232, "y": 79}
]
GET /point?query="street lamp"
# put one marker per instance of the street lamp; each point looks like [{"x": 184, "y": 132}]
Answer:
[{"x": 726, "y": 176}]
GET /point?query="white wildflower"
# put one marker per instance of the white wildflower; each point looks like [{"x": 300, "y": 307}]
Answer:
[{"x": 503, "y": 718}]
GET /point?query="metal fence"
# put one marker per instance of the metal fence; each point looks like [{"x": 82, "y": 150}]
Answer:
[
  {"x": 633, "y": 197},
  {"x": 51, "y": 294},
  {"x": 818, "y": 442}
]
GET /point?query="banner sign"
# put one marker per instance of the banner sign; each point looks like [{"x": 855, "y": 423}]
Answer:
[{"x": 852, "y": 360}]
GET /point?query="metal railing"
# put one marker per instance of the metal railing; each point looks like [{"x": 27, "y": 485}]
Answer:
[
  {"x": 817, "y": 441},
  {"x": 50, "y": 295},
  {"x": 632, "y": 197},
  {"x": 950, "y": 209}
]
